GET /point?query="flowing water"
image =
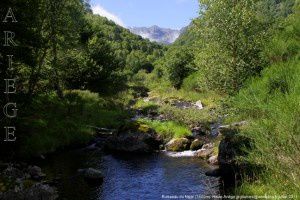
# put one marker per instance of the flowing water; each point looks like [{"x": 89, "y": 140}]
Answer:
[{"x": 131, "y": 177}]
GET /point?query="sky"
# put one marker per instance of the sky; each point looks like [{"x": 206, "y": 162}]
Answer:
[{"x": 174, "y": 14}]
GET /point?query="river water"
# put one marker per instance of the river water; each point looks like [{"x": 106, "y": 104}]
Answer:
[{"x": 131, "y": 177}]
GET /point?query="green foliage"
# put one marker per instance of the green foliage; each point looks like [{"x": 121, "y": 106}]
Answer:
[
  {"x": 51, "y": 123},
  {"x": 178, "y": 62},
  {"x": 273, "y": 108},
  {"x": 195, "y": 82},
  {"x": 230, "y": 43},
  {"x": 136, "y": 61},
  {"x": 146, "y": 107},
  {"x": 271, "y": 104},
  {"x": 188, "y": 116}
]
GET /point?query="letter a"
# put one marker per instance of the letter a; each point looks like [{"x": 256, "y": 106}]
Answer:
[{"x": 11, "y": 15}]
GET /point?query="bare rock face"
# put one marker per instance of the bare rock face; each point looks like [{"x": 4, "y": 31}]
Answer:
[{"x": 179, "y": 144}]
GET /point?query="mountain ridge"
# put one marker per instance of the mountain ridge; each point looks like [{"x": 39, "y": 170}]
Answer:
[{"x": 157, "y": 34}]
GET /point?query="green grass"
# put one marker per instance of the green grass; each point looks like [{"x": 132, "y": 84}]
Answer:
[
  {"x": 167, "y": 129},
  {"x": 51, "y": 123},
  {"x": 192, "y": 117},
  {"x": 271, "y": 104},
  {"x": 146, "y": 107}
]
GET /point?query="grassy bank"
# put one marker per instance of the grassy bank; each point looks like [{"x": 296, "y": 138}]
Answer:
[
  {"x": 51, "y": 123},
  {"x": 271, "y": 104},
  {"x": 167, "y": 129}
]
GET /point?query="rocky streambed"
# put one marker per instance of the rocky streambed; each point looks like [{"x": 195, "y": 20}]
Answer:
[{"x": 133, "y": 162}]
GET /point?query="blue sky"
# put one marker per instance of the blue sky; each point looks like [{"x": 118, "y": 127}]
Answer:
[{"x": 164, "y": 13}]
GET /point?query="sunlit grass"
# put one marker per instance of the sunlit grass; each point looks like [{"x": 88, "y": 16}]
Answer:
[{"x": 167, "y": 129}]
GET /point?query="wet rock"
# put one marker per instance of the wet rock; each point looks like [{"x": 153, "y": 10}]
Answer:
[
  {"x": 36, "y": 192},
  {"x": 213, "y": 160},
  {"x": 35, "y": 172},
  {"x": 179, "y": 144},
  {"x": 204, "y": 153},
  {"x": 93, "y": 147},
  {"x": 196, "y": 145},
  {"x": 92, "y": 175},
  {"x": 40, "y": 191}
]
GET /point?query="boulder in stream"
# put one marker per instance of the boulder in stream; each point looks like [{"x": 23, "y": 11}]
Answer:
[
  {"x": 92, "y": 175},
  {"x": 179, "y": 144},
  {"x": 206, "y": 151},
  {"x": 196, "y": 145},
  {"x": 134, "y": 138},
  {"x": 213, "y": 160},
  {"x": 35, "y": 172}
]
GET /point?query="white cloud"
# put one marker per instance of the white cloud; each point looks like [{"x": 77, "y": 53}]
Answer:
[{"x": 99, "y": 10}]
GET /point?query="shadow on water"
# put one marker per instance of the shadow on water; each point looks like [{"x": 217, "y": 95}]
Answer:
[{"x": 130, "y": 177}]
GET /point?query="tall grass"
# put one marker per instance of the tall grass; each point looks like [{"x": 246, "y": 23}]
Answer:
[{"x": 272, "y": 104}]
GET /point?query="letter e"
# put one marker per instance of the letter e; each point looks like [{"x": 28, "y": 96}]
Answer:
[{"x": 10, "y": 132}]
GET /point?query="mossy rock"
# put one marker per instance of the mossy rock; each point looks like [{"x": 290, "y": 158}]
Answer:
[
  {"x": 196, "y": 145},
  {"x": 179, "y": 144},
  {"x": 144, "y": 128},
  {"x": 135, "y": 127}
]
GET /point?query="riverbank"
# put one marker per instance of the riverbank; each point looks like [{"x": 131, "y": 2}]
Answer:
[{"x": 80, "y": 118}]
